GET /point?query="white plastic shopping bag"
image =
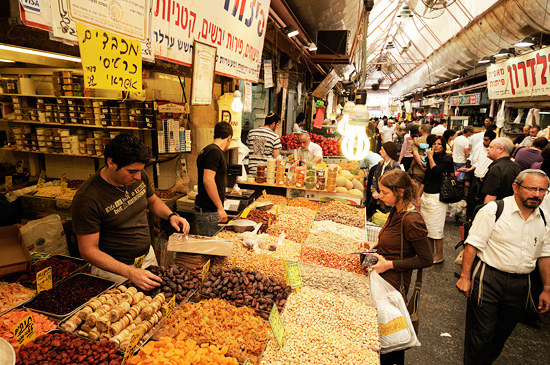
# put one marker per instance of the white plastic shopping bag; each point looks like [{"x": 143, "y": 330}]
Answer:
[
  {"x": 45, "y": 235},
  {"x": 396, "y": 330}
]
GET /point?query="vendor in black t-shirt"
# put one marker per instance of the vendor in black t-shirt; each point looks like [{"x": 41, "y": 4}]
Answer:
[
  {"x": 109, "y": 215},
  {"x": 212, "y": 169}
]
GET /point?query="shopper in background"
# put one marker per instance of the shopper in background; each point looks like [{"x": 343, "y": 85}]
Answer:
[
  {"x": 498, "y": 180},
  {"x": 519, "y": 139},
  {"x": 498, "y": 256},
  {"x": 449, "y": 136},
  {"x": 212, "y": 170},
  {"x": 418, "y": 169},
  {"x": 109, "y": 215},
  {"x": 406, "y": 156},
  {"x": 387, "y": 132},
  {"x": 545, "y": 164},
  {"x": 371, "y": 134},
  {"x": 461, "y": 147},
  {"x": 433, "y": 211},
  {"x": 300, "y": 123},
  {"x": 263, "y": 142},
  {"x": 527, "y": 156},
  {"x": 398, "y": 191},
  {"x": 527, "y": 141},
  {"x": 388, "y": 163},
  {"x": 308, "y": 150},
  {"x": 400, "y": 136},
  {"x": 440, "y": 127}
]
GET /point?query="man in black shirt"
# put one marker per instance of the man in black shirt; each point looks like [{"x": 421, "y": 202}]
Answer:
[
  {"x": 212, "y": 169},
  {"x": 497, "y": 183}
]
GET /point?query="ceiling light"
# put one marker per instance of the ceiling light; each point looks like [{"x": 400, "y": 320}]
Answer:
[
  {"x": 505, "y": 52},
  {"x": 526, "y": 42},
  {"x": 455, "y": 79},
  {"x": 290, "y": 30},
  {"x": 485, "y": 59},
  {"x": 312, "y": 47},
  {"x": 35, "y": 52},
  {"x": 9, "y": 61}
]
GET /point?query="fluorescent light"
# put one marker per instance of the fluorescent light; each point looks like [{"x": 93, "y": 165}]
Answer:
[
  {"x": 504, "y": 52},
  {"x": 456, "y": 79},
  {"x": 237, "y": 104},
  {"x": 312, "y": 47},
  {"x": 485, "y": 59},
  {"x": 525, "y": 42},
  {"x": 35, "y": 52},
  {"x": 290, "y": 30},
  {"x": 9, "y": 61}
]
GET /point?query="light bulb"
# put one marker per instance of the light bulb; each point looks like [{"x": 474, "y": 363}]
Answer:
[
  {"x": 355, "y": 144},
  {"x": 342, "y": 124},
  {"x": 237, "y": 104}
]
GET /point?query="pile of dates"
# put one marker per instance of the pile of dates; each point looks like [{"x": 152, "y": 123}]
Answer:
[
  {"x": 61, "y": 268},
  {"x": 246, "y": 288},
  {"x": 175, "y": 281}
]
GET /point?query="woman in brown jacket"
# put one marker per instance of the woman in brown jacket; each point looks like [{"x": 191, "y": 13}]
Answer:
[{"x": 399, "y": 191}]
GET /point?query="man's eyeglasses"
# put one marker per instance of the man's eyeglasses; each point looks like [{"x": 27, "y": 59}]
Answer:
[{"x": 534, "y": 190}]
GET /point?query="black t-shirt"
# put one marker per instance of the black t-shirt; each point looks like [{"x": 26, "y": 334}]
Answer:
[
  {"x": 432, "y": 178},
  {"x": 211, "y": 158},
  {"x": 499, "y": 178},
  {"x": 121, "y": 221},
  {"x": 519, "y": 139}
]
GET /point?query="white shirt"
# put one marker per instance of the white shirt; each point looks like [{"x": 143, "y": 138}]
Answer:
[
  {"x": 387, "y": 134},
  {"x": 480, "y": 160},
  {"x": 511, "y": 244},
  {"x": 459, "y": 145},
  {"x": 527, "y": 141},
  {"x": 439, "y": 130},
  {"x": 313, "y": 150},
  {"x": 380, "y": 125},
  {"x": 297, "y": 129},
  {"x": 476, "y": 138}
]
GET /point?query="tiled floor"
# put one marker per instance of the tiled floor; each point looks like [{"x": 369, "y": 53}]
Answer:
[{"x": 443, "y": 310}]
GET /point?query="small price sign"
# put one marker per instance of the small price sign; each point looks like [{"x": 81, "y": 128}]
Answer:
[
  {"x": 264, "y": 194},
  {"x": 205, "y": 270},
  {"x": 245, "y": 212},
  {"x": 44, "y": 279},
  {"x": 41, "y": 179},
  {"x": 24, "y": 331},
  {"x": 277, "y": 211},
  {"x": 276, "y": 324},
  {"x": 285, "y": 272},
  {"x": 63, "y": 176},
  {"x": 138, "y": 261},
  {"x": 247, "y": 362},
  {"x": 294, "y": 275},
  {"x": 234, "y": 261},
  {"x": 171, "y": 307},
  {"x": 9, "y": 182},
  {"x": 131, "y": 346},
  {"x": 269, "y": 223}
]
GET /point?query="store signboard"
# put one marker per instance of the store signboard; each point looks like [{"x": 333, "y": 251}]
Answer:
[
  {"x": 236, "y": 28},
  {"x": 521, "y": 76},
  {"x": 463, "y": 100}
]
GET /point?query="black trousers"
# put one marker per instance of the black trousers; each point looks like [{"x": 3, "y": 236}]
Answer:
[
  {"x": 393, "y": 358},
  {"x": 492, "y": 315}
]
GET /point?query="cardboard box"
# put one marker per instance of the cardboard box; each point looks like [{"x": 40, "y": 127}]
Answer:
[{"x": 14, "y": 256}]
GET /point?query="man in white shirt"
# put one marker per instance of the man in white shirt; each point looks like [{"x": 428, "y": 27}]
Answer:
[
  {"x": 308, "y": 150},
  {"x": 499, "y": 254},
  {"x": 387, "y": 132},
  {"x": 461, "y": 147},
  {"x": 300, "y": 123},
  {"x": 528, "y": 141},
  {"x": 440, "y": 128}
]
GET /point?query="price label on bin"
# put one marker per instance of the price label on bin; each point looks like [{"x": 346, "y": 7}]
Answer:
[
  {"x": 41, "y": 179},
  {"x": 234, "y": 261},
  {"x": 24, "y": 331},
  {"x": 205, "y": 270},
  {"x": 264, "y": 193},
  {"x": 9, "y": 182},
  {"x": 247, "y": 362},
  {"x": 131, "y": 346},
  {"x": 294, "y": 275},
  {"x": 277, "y": 326},
  {"x": 138, "y": 261},
  {"x": 245, "y": 212},
  {"x": 44, "y": 279},
  {"x": 171, "y": 306}
]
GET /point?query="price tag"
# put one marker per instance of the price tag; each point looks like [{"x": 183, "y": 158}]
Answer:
[
  {"x": 264, "y": 193},
  {"x": 247, "y": 362},
  {"x": 171, "y": 307},
  {"x": 285, "y": 273},
  {"x": 9, "y": 182},
  {"x": 276, "y": 211},
  {"x": 205, "y": 270},
  {"x": 277, "y": 326},
  {"x": 131, "y": 346},
  {"x": 64, "y": 186},
  {"x": 234, "y": 261},
  {"x": 41, "y": 179},
  {"x": 294, "y": 276},
  {"x": 245, "y": 212},
  {"x": 269, "y": 223},
  {"x": 138, "y": 261},
  {"x": 44, "y": 279},
  {"x": 231, "y": 221},
  {"x": 24, "y": 331},
  {"x": 63, "y": 176}
]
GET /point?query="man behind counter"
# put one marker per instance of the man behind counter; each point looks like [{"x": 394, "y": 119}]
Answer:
[
  {"x": 109, "y": 215},
  {"x": 308, "y": 150}
]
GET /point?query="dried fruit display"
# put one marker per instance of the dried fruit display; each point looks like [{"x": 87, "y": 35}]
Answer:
[
  {"x": 55, "y": 192},
  {"x": 338, "y": 207},
  {"x": 167, "y": 194},
  {"x": 303, "y": 202},
  {"x": 42, "y": 324},
  {"x": 61, "y": 268},
  {"x": 335, "y": 237},
  {"x": 333, "y": 260},
  {"x": 219, "y": 323},
  {"x": 66, "y": 348},
  {"x": 169, "y": 350},
  {"x": 246, "y": 288},
  {"x": 259, "y": 216},
  {"x": 175, "y": 281},
  {"x": 325, "y": 328},
  {"x": 116, "y": 314},
  {"x": 270, "y": 198},
  {"x": 13, "y": 294}
]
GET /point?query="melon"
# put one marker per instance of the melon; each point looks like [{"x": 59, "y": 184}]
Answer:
[
  {"x": 341, "y": 190},
  {"x": 339, "y": 169},
  {"x": 357, "y": 185},
  {"x": 356, "y": 192},
  {"x": 348, "y": 185},
  {"x": 341, "y": 181}
]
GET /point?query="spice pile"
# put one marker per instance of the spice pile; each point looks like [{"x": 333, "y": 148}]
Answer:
[
  {"x": 55, "y": 192},
  {"x": 333, "y": 260},
  {"x": 276, "y": 199},
  {"x": 335, "y": 237},
  {"x": 342, "y": 208}
]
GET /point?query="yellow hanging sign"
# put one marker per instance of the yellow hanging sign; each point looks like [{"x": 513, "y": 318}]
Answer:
[
  {"x": 44, "y": 279},
  {"x": 131, "y": 346},
  {"x": 109, "y": 61},
  {"x": 205, "y": 270},
  {"x": 293, "y": 274},
  {"x": 277, "y": 326}
]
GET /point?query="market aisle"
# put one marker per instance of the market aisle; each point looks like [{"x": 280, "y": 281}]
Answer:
[{"x": 443, "y": 310}]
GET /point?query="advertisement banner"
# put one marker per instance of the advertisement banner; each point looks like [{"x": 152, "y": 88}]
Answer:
[
  {"x": 464, "y": 100},
  {"x": 235, "y": 27},
  {"x": 522, "y": 76}
]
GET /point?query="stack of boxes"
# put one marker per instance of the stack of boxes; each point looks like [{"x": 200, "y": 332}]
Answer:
[
  {"x": 66, "y": 84},
  {"x": 280, "y": 172},
  {"x": 310, "y": 175},
  {"x": 271, "y": 171},
  {"x": 300, "y": 176},
  {"x": 172, "y": 138},
  {"x": 331, "y": 177}
]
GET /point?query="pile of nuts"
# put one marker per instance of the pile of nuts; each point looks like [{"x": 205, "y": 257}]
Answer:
[
  {"x": 333, "y": 260},
  {"x": 218, "y": 322},
  {"x": 342, "y": 208},
  {"x": 325, "y": 328},
  {"x": 61, "y": 268},
  {"x": 246, "y": 288},
  {"x": 55, "y": 192},
  {"x": 175, "y": 281},
  {"x": 335, "y": 237},
  {"x": 289, "y": 250},
  {"x": 66, "y": 348},
  {"x": 341, "y": 218},
  {"x": 303, "y": 202},
  {"x": 259, "y": 216},
  {"x": 295, "y": 221},
  {"x": 276, "y": 199},
  {"x": 336, "y": 281}
]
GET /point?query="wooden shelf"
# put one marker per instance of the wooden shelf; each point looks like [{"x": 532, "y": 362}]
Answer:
[
  {"x": 295, "y": 188},
  {"x": 94, "y": 126},
  {"x": 49, "y": 153},
  {"x": 65, "y": 97}
]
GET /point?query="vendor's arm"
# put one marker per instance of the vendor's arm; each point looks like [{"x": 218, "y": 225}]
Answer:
[
  {"x": 317, "y": 159},
  {"x": 544, "y": 298},
  {"x": 161, "y": 210},
  {"x": 88, "y": 244},
  {"x": 209, "y": 180}
]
